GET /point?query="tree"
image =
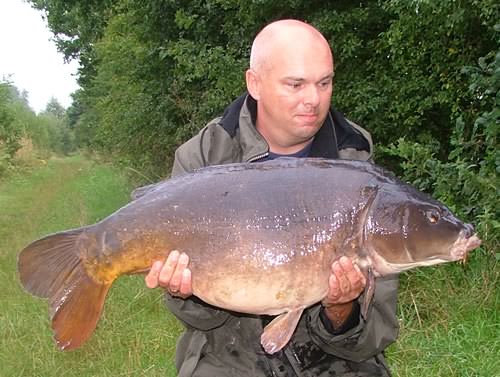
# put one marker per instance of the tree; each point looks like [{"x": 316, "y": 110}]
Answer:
[
  {"x": 55, "y": 108},
  {"x": 10, "y": 133},
  {"x": 153, "y": 73},
  {"x": 77, "y": 25}
]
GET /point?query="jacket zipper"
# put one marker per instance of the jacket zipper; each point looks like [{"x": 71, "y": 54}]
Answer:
[{"x": 258, "y": 157}]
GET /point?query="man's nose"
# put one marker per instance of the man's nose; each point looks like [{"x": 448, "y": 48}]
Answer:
[{"x": 311, "y": 96}]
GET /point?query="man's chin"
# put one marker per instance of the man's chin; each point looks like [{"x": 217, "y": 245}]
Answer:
[{"x": 307, "y": 130}]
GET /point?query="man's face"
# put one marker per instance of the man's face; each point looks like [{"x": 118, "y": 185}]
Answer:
[{"x": 295, "y": 91}]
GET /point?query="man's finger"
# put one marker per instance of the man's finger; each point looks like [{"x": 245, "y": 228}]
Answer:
[
  {"x": 335, "y": 291},
  {"x": 176, "y": 276},
  {"x": 168, "y": 269},
  {"x": 356, "y": 278},
  {"x": 185, "y": 289},
  {"x": 341, "y": 275},
  {"x": 352, "y": 273},
  {"x": 152, "y": 277}
]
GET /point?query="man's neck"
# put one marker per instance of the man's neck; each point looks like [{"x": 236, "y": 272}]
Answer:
[
  {"x": 288, "y": 150},
  {"x": 304, "y": 152},
  {"x": 278, "y": 147}
]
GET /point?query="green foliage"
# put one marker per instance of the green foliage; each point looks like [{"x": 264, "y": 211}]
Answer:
[
  {"x": 422, "y": 76},
  {"x": 468, "y": 180},
  {"x": 10, "y": 129},
  {"x": 54, "y": 132},
  {"x": 50, "y": 134},
  {"x": 412, "y": 83},
  {"x": 55, "y": 108},
  {"x": 21, "y": 129}
]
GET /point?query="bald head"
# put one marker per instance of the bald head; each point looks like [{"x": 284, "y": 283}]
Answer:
[
  {"x": 284, "y": 36},
  {"x": 291, "y": 78}
]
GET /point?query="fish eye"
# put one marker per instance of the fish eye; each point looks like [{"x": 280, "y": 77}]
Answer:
[{"x": 433, "y": 216}]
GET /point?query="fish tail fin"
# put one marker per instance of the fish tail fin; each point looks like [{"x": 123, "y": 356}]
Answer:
[{"x": 51, "y": 268}]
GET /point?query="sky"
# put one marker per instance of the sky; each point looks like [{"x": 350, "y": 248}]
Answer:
[{"x": 29, "y": 58}]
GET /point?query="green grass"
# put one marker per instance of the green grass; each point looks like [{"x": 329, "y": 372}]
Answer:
[
  {"x": 136, "y": 335},
  {"x": 449, "y": 314},
  {"x": 450, "y": 321}
]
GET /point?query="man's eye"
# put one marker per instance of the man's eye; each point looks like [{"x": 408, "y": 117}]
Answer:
[{"x": 294, "y": 85}]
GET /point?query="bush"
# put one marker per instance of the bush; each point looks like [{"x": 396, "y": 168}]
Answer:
[
  {"x": 468, "y": 180},
  {"x": 10, "y": 132}
]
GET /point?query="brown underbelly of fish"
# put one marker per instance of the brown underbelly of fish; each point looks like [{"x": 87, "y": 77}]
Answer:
[{"x": 271, "y": 295}]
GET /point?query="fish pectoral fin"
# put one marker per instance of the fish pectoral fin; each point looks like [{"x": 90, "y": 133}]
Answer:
[
  {"x": 369, "y": 291},
  {"x": 278, "y": 333}
]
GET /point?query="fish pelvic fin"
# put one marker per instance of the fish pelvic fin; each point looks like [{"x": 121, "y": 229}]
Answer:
[
  {"x": 277, "y": 334},
  {"x": 51, "y": 268}
]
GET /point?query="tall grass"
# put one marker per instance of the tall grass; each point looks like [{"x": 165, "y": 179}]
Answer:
[
  {"x": 449, "y": 314},
  {"x": 136, "y": 335},
  {"x": 450, "y": 320}
]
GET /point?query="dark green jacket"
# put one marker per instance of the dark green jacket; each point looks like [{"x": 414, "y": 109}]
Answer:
[{"x": 221, "y": 343}]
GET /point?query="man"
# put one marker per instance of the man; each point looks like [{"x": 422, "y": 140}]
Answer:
[{"x": 285, "y": 113}]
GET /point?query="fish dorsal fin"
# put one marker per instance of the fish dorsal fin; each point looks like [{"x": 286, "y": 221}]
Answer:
[
  {"x": 141, "y": 191},
  {"x": 278, "y": 333}
]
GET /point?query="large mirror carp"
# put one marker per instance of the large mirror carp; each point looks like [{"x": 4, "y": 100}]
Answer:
[{"x": 261, "y": 238}]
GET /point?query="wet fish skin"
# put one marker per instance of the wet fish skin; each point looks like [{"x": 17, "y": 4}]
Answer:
[{"x": 261, "y": 239}]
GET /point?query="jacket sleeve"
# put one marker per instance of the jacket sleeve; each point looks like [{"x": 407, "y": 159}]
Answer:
[
  {"x": 192, "y": 311},
  {"x": 195, "y": 313},
  {"x": 371, "y": 335},
  {"x": 188, "y": 157},
  {"x": 211, "y": 146}
]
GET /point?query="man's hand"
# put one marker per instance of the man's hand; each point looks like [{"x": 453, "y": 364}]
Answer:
[
  {"x": 345, "y": 285},
  {"x": 173, "y": 275}
]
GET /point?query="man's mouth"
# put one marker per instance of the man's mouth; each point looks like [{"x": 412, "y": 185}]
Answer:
[{"x": 308, "y": 117}]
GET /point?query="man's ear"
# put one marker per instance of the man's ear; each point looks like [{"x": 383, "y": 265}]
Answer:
[{"x": 253, "y": 83}]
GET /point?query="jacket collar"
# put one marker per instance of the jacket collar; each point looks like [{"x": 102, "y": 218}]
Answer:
[
  {"x": 231, "y": 117},
  {"x": 335, "y": 133}
]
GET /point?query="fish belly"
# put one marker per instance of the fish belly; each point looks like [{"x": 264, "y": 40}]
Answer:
[{"x": 271, "y": 293}]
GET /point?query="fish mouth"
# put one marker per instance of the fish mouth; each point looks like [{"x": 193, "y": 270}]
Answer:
[{"x": 464, "y": 244}]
